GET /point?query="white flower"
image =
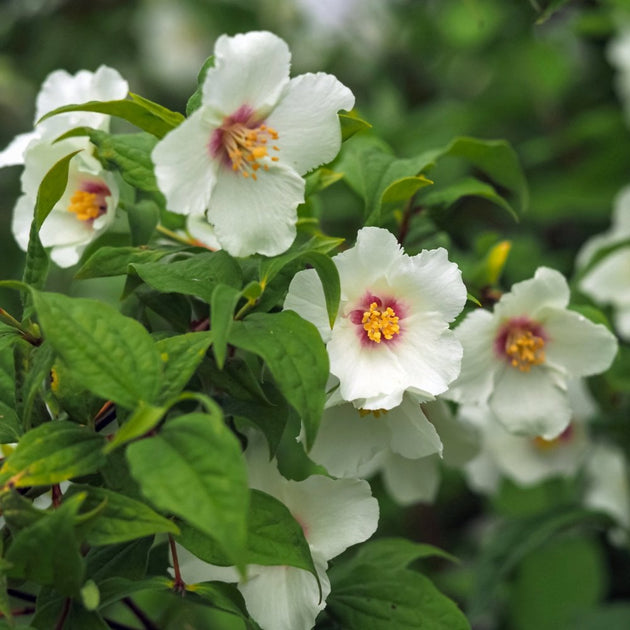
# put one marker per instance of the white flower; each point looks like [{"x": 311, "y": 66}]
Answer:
[
  {"x": 334, "y": 514},
  {"x": 529, "y": 460},
  {"x": 86, "y": 208},
  {"x": 608, "y": 281},
  {"x": 59, "y": 89},
  {"x": 391, "y": 332},
  {"x": 608, "y": 488},
  {"x": 518, "y": 358},
  {"x": 239, "y": 158}
]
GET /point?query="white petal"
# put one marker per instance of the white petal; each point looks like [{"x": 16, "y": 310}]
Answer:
[
  {"x": 460, "y": 439},
  {"x": 13, "y": 154},
  {"x": 256, "y": 216},
  {"x": 184, "y": 167},
  {"x": 195, "y": 570},
  {"x": 64, "y": 228},
  {"x": 411, "y": 480},
  {"x": 479, "y": 363},
  {"x": 249, "y": 69},
  {"x": 306, "y": 298},
  {"x": 548, "y": 288},
  {"x": 68, "y": 255},
  {"x": 609, "y": 280},
  {"x": 23, "y": 214},
  {"x": 285, "y": 598},
  {"x": 199, "y": 229},
  {"x": 346, "y": 441},
  {"x": 622, "y": 321},
  {"x": 578, "y": 345},
  {"x": 413, "y": 436},
  {"x": 530, "y": 403},
  {"x": 306, "y": 120},
  {"x": 334, "y": 513},
  {"x": 482, "y": 474}
]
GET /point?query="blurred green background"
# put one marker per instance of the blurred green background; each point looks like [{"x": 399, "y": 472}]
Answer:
[{"x": 423, "y": 72}]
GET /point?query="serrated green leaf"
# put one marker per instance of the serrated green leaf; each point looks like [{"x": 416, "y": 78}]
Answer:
[
  {"x": 40, "y": 362},
  {"x": 181, "y": 356},
  {"x": 465, "y": 187},
  {"x": 9, "y": 428},
  {"x": 122, "y": 519},
  {"x": 201, "y": 477},
  {"x": 51, "y": 453},
  {"x": 197, "y": 275},
  {"x": 126, "y": 561},
  {"x": 110, "y": 354},
  {"x": 296, "y": 357},
  {"x": 142, "y": 113},
  {"x": 36, "y": 267},
  {"x": 222, "y": 305},
  {"x": 114, "y": 261},
  {"x": 47, "y": 552}
]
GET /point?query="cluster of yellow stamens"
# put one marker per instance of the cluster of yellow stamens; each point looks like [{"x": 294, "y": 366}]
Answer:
[
  {"x": 86, "y": 205},
  {"x": 246, "y": 147},
  {"x": 524, "y": 349},
  {"x": 379, "y": 324},
  {"x": 377, "y": 413}
]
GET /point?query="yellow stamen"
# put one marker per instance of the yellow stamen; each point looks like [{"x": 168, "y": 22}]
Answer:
[
  {"x": 246, "y": 147},
  {"x": 377, "y": 413},
  {"x": 524, "y": 349},
  {"x": 85, "y": 205},
  {"x": 546, "y": 445},
  {"x": 380, "y": 324}
]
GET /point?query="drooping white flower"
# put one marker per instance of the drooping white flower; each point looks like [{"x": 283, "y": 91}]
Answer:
[
  {"x": 608, "y": 488},
  {"x": 391, "y": 332},
  {"x": 529, "y": 460},
  {"x": 518, "y": 358},
  {"x": 240, "y": 157},
  {"x": 608, "y": 280},
  {"x": 86, "y": 208},
  {"x": 334, "y": 514},
  {"x": 59, "y": 89}
]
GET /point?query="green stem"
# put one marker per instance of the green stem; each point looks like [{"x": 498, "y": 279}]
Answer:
[{"x": 14, "y": 323}]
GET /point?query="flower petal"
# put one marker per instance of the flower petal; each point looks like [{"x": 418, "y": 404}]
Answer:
[
  {"x": 577, "y": 345},
  {"x": 13, "y": 154},
  {"x": 184, "y": 167},
  {"x": 23, "y": 213},
  {"x": 306, "y": 298},
  {"x": 530, "y": 403},
  {"x": 250, "y": 69},
  {"x": 608, "y": 281},
  {"x": 285, "y": 598},
  {"x": 548, "y": 288},
  {"x": 306, "y": 120},
  {"x": 256, "y": 216},
  {"x": 411, "y": 481},
  {"x": 334, "y": 513}
]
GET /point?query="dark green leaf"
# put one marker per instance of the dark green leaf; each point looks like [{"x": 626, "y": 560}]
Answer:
[
  {"x": 114, "y": 261},
  {"x": 125, "y": 561},
  {"x": 143, "y": 219},
  {"x": 37, "y": 377},
  {"x": 115, "y": 588},
  {"x": 51, "y": 453},
  {"x": 296, "y": 357},
  {"x": 112, "y": 355},
  {"x": 351, "y": 124},
  {"x": 223, "y": 302},
  {"x": 200, "y": 476}
]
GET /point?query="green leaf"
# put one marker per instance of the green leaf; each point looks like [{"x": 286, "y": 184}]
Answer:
[
  {"x": 201, "y": 477},
  {"x": 51, "y": 453},
  {"x": 465, "y": 187},
  {"x": 142, "y": 113},
  {"x": 38, "y": 374},
  {"x": 222, "y": 305},
  {"x": 223, "y": 596},
  {"x": 194, "y": 102},
  {"x": 296, "y": 357},
  {"x": 52, "y": 188},
  {"x": 613, "y": 616},
  {"x": 197, "y": 275},
  {"x": 513, "y": 541},
  {"x": 9, "y": 427},
  {"x": 319, "y": 180},
  {"x": 143, "y": 219},
  {"x": 404, "y": 189},
  {"x": 382, "y": 599},
  {"x": 90, "y": 596},
  {"x": 351, "y": 124},
  {"x": 36, "y": 267},
  {"x": 114, "y": 261},
  {"x": 122, "y": 519},
  {"x": 144, "y": 419},
  {"x": 112, "y": 355},
  {"x": 124, "y": 561},
  {"x": 552, "y": 7},
  {"x": 47, "y": 552},
  {"x": 274, "y": 538},
  {"x": 181, "y": 356},
  {"x": 116, "y": 588}
]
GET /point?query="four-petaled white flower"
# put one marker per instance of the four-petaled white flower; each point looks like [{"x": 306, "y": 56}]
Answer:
[
  {"x": 334, "y": 514},
  {"x": 59, "y": 89},
  {"x": 519, "y": 358},
  {"x": 391, "y": 332},
  {"x": 608, "y": 280},
  {"x": 240, "y": 157},
  {"x": 86, "y": 208}
]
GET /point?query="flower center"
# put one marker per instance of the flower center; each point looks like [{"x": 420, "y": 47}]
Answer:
[
  {"x": 521, "y": 342},
  {"x": 378, "y": 324},
  {"x": 88, "y": 202},
  {"x": 547, "y": 445},
  {"x": 244, "y": 143},
  {"x": 377, "y": 413}
]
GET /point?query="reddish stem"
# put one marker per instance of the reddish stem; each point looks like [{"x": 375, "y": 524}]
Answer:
[{"x": 179, "y": 586}]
